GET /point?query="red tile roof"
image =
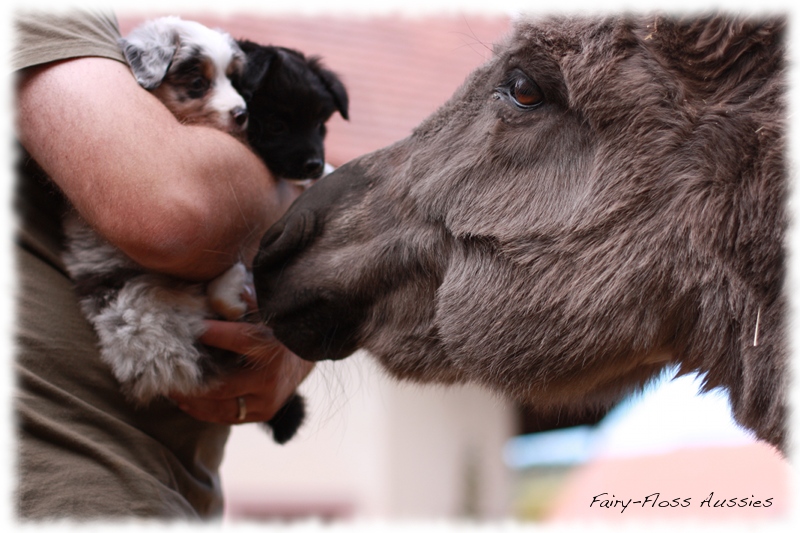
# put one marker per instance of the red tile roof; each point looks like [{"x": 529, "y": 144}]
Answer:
[{"x": 397, "y": 69}]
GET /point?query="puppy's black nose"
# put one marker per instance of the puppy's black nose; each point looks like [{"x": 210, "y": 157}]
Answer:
[
  {"x": 314, "y": 167},
  {"x": 239, "y": 115}
]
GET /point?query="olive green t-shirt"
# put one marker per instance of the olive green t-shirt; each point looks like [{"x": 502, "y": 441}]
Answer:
[{"x": 83, "y": 451}]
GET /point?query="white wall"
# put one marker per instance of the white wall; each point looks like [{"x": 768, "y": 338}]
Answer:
[{"x": 375, "y": 448}]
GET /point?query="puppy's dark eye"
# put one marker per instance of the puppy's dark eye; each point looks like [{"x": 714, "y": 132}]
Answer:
[
  {"x": 522, "y": 90},
  {"x": 198, "y": 84}
]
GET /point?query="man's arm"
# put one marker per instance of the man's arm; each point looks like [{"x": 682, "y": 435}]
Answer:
[{"x": 179, "y": 199}]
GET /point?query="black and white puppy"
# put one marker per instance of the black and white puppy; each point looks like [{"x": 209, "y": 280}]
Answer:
[{"x": 147, "y": 323}]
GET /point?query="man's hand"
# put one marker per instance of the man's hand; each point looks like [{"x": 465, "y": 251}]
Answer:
[{"x": 269, "y": 378}]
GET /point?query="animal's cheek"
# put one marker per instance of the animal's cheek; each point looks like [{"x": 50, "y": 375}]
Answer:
[{"x": 472, "y": 311}]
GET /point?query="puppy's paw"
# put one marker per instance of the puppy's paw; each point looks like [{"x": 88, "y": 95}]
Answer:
[
  {"x": 148, "y": 337},
  {"x": 232, "y": 294},
  {"x": 144, "y": 379}
]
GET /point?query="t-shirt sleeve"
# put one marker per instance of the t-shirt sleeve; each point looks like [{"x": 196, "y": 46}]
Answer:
[{"x": 43, "y": 37}]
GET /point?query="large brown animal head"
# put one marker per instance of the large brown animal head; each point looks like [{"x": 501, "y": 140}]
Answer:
[{"x": 602, "y": 198}]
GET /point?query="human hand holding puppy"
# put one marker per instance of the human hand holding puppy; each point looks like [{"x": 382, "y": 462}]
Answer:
[{"x": 266, "y": 381}]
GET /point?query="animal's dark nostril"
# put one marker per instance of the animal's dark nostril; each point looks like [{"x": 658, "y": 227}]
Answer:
[
  {"x": 284, "y": 239},
  {"x": 271, "y": 236},
  {"x": 239, "y": 115}
]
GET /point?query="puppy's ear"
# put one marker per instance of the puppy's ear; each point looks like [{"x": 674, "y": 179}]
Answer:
[
  {"x": 149, "y": 50},
  {"x": 259, "y": 60},
  {"x": 334, "y": 86}
]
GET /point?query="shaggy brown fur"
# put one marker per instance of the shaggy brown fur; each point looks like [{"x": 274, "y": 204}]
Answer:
[{"x": 601, "y": 199}]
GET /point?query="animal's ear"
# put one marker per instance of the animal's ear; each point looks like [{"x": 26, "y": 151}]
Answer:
[
  {"x": 334, "y": 85},
  {"x": 259, "y": 60},
  {"x": 149, "y": 51}
]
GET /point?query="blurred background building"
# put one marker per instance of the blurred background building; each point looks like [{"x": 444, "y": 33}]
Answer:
[{"x": 376, "y": 448}]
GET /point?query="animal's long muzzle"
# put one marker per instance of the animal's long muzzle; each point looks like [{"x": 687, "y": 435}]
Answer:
[{"x": 301, "y": 302}]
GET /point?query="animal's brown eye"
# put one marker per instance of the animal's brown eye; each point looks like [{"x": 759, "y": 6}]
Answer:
[
  {"x": 525, "y": 92},
  {"x": 521, "y": 90}
]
